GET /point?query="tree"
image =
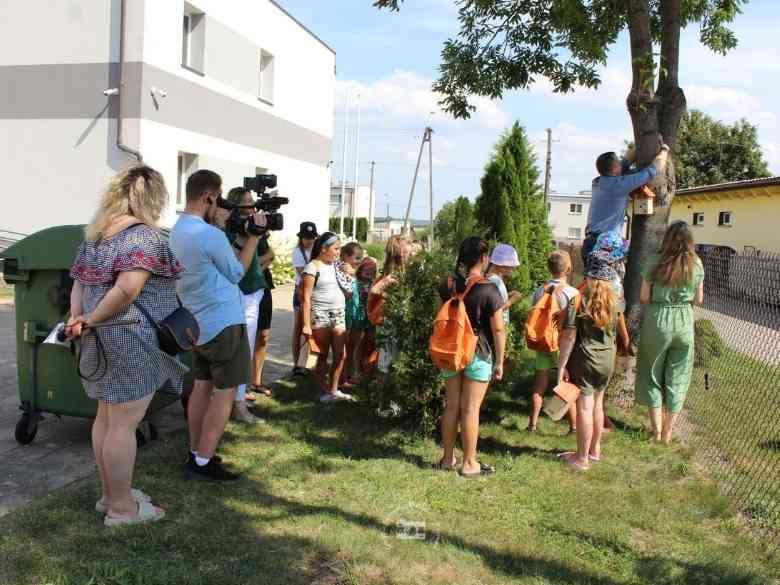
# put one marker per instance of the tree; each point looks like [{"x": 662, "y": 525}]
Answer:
[
  {"x": 710, "y": 152},
  {"x": 507, "y": 44},
  {"x": 455, "y": 222},
  {"x": 510, "y": 208}
]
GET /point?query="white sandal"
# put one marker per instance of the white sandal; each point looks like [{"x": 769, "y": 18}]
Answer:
[
  {"x": 146, "y": 513},
  {"x": 138, "y": 496}
]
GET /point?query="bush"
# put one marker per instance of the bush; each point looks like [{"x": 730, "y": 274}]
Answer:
[
  {"x": 413, "y": 389},
  {"x": 362, "y": 227},
  {"x": 376, "y": 251},
  {"x": 708, "y": 344},
  {"x": 281, "y": 267}
]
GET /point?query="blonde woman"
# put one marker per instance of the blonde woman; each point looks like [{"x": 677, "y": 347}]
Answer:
[
  {"x": 124, "y": 260},
  {"x": 588, "y": 347}
]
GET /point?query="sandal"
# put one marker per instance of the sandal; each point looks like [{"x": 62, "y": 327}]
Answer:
[
  {"x": 138, "y": 496},
  {"x": 594, "y": 458},
  {"x": 484, "y": 470},
  {"x": 250, "y": 396},
  {"x": 262, "y": 389},
  {"x": 570, "y": 458},
  {"x": 441, "y": 466},
  {"x": 530, "y": 429},
  {"x": 298, "y": 371},
  {"x": 146, "y": 513}
]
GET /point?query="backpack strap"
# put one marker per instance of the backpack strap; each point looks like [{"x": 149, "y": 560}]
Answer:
[{"x": 471, "y": 283}]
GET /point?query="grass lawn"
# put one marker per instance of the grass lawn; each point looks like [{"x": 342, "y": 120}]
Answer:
[{"x": 328, "y": 491}]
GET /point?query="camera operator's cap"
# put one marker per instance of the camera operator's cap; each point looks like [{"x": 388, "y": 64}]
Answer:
[
  {"x": 308, "y": 230},
  {"x": 504, "y": 255}
]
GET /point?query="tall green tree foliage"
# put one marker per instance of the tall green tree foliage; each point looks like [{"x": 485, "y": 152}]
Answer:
[
  {"x": 709, "y": 151},
  {"x": 510, "y": 208},
  {"x": 509, "y": 44},
  {"x": 455, "y": 222}
]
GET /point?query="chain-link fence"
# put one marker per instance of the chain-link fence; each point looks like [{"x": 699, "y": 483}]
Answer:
[{"x": 732, "y": 412}]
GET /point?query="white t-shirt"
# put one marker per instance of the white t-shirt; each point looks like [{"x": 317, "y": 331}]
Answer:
[
  {"x": 327, "y": 295},
  {"x": 299, "y": 260}
]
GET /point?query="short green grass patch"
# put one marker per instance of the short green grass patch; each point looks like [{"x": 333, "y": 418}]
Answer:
[{"x": 332, "y": 495}]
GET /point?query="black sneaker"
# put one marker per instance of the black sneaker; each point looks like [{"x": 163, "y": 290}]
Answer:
[
  {"x": 212, "y": 471},
  {"x": 191, "y": 459}
]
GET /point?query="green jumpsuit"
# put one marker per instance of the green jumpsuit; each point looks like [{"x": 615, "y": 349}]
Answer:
[{"x": 666, "y": 343}]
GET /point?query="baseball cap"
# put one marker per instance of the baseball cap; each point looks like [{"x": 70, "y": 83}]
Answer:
[
  {"x": 308, "y": 230},
  {"x": 504, "y": 255}
]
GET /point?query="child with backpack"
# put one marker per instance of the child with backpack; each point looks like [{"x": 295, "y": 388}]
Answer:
[
  {"x": 587, "y": 359},
  {"x": 554, "y": 307},
  {"x": 468, "y": 345},
  {"x": 503, "y": 261}
]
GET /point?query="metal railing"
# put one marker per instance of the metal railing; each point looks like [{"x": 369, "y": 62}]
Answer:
[{"x": 7, "y": 238}]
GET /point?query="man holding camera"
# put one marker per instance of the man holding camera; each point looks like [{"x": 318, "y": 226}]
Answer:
[{"x": 209, "y": 288}]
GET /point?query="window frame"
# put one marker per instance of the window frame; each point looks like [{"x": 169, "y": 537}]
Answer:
[
  {"x": 186, "y": 164},
  {"x": 575, "y": 208},
  {"x": 721, "y": 222},
  {"x": 698, "y": 218},
  {"x": 575, "y": 233}
]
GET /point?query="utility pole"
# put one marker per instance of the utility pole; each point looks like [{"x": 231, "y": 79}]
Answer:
[
  {"x": 430, "y": 187},
  {"x": 344, "y": 167},
  {"x": 370, "y": 234},
  {"x": 357, "y": 166},
  {"x": 426, "y": 137},
  {"x": 547, "y": 171}
]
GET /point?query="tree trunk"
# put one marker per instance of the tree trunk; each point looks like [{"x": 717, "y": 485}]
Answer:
[{"x": 652, "y": 114}]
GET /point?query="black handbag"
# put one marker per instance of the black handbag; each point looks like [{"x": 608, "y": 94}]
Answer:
[{"x": 178, "y": 332}]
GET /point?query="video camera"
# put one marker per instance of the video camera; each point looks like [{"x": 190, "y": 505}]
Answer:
[{"x": 270, "y": 203}]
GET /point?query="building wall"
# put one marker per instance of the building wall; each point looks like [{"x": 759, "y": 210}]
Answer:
[
  {"x": 754, "y": 219},
  {"x": 62, "y": 130},
  {"x": 561, "y": 219}
]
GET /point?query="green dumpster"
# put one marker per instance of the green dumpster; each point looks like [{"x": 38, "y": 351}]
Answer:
[{"x": 38, "y": 266}]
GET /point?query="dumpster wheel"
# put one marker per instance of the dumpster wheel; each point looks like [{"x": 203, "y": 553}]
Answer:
[{"x": 26, "y": 428}]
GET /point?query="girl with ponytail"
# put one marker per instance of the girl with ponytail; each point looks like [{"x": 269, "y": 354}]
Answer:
[
  {"x": 672, "y": 284},
  {"x": 466, "y": 389},
  {"x": 588, "y": 348}
]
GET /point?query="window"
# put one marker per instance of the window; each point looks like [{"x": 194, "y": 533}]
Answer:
[
  {"x": 266, "y": 85},
  {"x": 193, "y": 36},
  {"x": 188, "y": 164},
  {"x": 724, "y": 219},
  {"x": 575, "y": 233},
  {"x": 575, "y": 208},
  {"x": 698, "y": 218}
]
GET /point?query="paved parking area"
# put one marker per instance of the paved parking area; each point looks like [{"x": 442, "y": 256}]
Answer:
[{"x": 61, "y": 452}]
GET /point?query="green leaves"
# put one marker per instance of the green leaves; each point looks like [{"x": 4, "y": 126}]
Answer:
[
  {"x": 510, "y": 208},
  {"x": 709, "y": 151},
  {"x": 503, "y": 45}
]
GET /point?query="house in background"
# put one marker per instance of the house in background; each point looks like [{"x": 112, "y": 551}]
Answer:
[
  {"x": 384, "y": 227},
  {"x": 238, "y": 87},
  {"x": 362, "y": 203},
  {"x": 741, "y": 214},
  {"x": 567, "y": 215}
]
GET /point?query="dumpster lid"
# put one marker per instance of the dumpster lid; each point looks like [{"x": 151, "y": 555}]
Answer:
[{"x": 52, "y": 248}]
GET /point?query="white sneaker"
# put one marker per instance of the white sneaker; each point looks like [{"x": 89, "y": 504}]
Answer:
[
  {"x": 342, "y": 395},
  {"x": 328, "y": 397}
]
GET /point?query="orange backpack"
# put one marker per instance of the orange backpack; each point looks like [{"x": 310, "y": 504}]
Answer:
[
  {"x": 542, "y": 327},
  {"x": 453, "y": 342}
]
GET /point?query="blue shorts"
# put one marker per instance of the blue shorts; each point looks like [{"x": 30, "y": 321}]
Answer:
[{"x": 478, "y": 370}]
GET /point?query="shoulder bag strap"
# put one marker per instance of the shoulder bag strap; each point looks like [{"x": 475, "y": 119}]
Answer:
[{"x": 147, "y": 315}]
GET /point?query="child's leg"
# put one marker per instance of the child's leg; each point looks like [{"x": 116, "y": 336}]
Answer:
[
  {"x": 541, "y": 381},
  {"x": 322, "y": 339},
  {"x": 656, "y": 422},
  {"x": 598, "y": 425},
  {"x": 585, "y": 406}
]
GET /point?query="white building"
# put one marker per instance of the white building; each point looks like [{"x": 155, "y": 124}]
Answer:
[
  {"x": 362, "y": 203},
  {"x": 567, "y": 215},
  {"x": 237, "y": 87}
]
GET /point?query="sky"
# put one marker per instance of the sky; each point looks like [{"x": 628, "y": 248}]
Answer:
[{"x": 392, "y": 59}]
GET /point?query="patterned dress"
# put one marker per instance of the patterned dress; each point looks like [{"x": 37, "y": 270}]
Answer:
[{"x": 125, "y": 363}]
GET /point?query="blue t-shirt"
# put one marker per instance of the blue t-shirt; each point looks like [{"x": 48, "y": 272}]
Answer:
[
  {"x": 499, "y": 282},
  {"x": 609, "y": 199},
  {"x": 209, "y": 285}
]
